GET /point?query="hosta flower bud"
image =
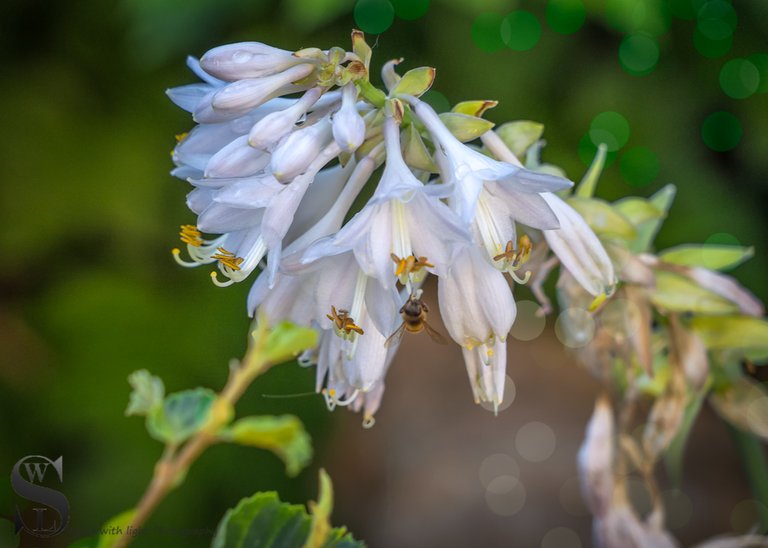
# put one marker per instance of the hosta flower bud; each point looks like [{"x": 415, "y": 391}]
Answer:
[
  {"x": 275, "y": 126},
  {"x": 296, "y": 152},
  {"x": 348, "y": 125},
  {"x": 246, "y": 60},
  {"x": 239, "y": 97}
]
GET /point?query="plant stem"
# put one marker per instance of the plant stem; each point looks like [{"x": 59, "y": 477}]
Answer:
[
  {"x": 174, "y": 464},
  {"x": 752, "y": 455}
]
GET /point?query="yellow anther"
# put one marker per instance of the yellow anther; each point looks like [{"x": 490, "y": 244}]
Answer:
[
  {"x": 181, "y": 136},
  {"x": 516, "y": 256},
  {"x": 410, "y": 264},
  {"x": 600, "y": 299},
  {"x": 190, "y": 235},
  {"x": 228, "y": 259},
  {"x": 343, "y": 322}
]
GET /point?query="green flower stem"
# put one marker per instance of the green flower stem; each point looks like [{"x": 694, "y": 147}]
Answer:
[
  {"x": 752, "y": 455},
  {"x": 172, "y": 467}
]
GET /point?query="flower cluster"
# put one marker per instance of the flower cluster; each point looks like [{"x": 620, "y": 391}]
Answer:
[{"x": 286, "y": 142}]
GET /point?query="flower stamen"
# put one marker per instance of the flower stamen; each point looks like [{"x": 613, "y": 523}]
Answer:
[
  {"x": 190, "y": 235},
  {"x": 228, "y": 259},
  {"x": 343, "y": 323}
]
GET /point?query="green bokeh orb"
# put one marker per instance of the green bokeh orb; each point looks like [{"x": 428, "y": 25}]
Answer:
[
  {"x": 565, "y": 16},
  {"x": 436, "y": 100},
  {"x": 722, "y": 238},
  {"x": 410, "y": 9},
  {"x": 638, "y": 54},
  {"x": 374, "y": 16},
  {"x": 610, "y": 128},
  {"x": 716, "y": 19},
  {"x": 486, "y": 32},
  {"x": 520, "y": 30},
  {"x": 639, "y": 166},
  {"x": 721, "y": 131},
  {"x": 588, "y": 150},
  {"x": 710, "y": 48},
  {"x": 739, "y": 78},
  {"x": 760, "y": 60}
]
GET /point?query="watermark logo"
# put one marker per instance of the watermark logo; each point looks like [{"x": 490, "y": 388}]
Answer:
[{"x": 51, "y": 512}]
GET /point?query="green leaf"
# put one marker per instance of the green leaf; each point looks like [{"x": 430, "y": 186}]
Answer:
[
  {"x": 320, "y": 528},
  {"x": 181, "y": 415},
  {"x": 464, "y": 127},
  {"x": 638, "y": 210},
  {"x": 474, "y": 108},
  {"x": 415, "y": 151},
  {"x": 586, "y": 188},
  {"x": 286, "y": 340},
  {"x": 744, "y": 404},
  {"x": 673, "y": 458},
  {"x": 147, "y": 394},
  {"x": 520, "y": 135},
  {"x": 745, "y": 334},
  {"x": 112, "y": 530},
  {"x": 602, "y": 217},
  {"x": 361, "y": 48},
  {"x": 284, "y": 435},
  {"x": 647, "y": 231},
  {"x": 415, "y": 82},
  {"x": 711, "y": 256},
  {"x": 680, "y": 294},
  {"x": 262, "y": 521}
]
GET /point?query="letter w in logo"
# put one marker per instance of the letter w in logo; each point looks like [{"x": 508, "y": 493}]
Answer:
[{"x": 36, "y": 470}]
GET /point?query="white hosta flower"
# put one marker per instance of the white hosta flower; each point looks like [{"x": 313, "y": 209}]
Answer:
[
  {"x": 401, "y": 220},
  {"x": 273, "y": 127},
  {"x": 348, "y": 124},
  {"x": 567, "y": 233},
  {"x": 579, "y": 249},
  {"x": 469, "y": 170},
  {"x": 247, "y": 60},
  {"x": 239, "y": 97},
  {"x": 478, "y": 310},
  {"x": 297, "y": 151},
  {"x": 237, "y": 159}
]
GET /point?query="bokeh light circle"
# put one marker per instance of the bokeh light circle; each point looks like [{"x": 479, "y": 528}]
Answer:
[
  {"x": 639, "y": 166},
  {"x": 498, "y": 464},
  {"x": 739, "y": 78},
  {"x": 535, "y": 441},
  {"x": 436, "y": 100},
  {"x": 529, "y": 322},
  {"x": 722, "y": 238},
  {"x": 760, "y": 60},
  {"x": 721, "y": 131},
  {"x": 505, "y": 495},
  {"x": 565, "y": 16},
  {"x": 410, "y": 9},
  {"x": 610, "y": 128},
  {"x": 561, "y": 537},
  {"x": 639, "y": 54},
  {"x": 587, "y": 151},
  {"x": 678, "y": 507},
  {"x": 745, "y": 515},
  {"x": 520, "y": 30},
  {"x": 486, "y": 32},
  {"x": 716, "y": 19},
  {"x": 374, "y": 16},
  {"x": 510, "y": 391},
  {"x": 575, "y": 327},
  {"x": 709, "y": 47}
]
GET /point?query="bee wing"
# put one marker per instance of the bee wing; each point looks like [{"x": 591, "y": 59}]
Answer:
[
  {"x": 395, "y": 337},
  {"x": 437, "y": 337}
]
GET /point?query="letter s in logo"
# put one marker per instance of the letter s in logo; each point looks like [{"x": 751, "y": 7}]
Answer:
[{"x": 36, "y": 467}]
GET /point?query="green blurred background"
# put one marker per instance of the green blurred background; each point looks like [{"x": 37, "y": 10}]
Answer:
[{"x": 89, "y": 291}]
